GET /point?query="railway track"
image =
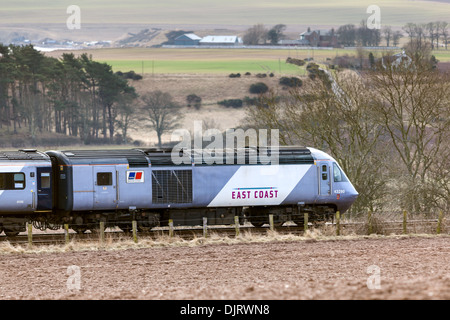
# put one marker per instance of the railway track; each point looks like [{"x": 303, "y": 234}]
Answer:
[{"x": 188, "y": 233}]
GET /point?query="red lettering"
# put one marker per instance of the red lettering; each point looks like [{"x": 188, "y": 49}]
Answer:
[
  {"x": 256, "y": 194},
  {"x": 248, "y": 194},
  {"x": 266, "y": 194},
  {"x": 233, "y": 194},
  {"x": 271, "y": 193},
  {"x": 276, "y": 193},
  {"x": 238, "y": 196}
]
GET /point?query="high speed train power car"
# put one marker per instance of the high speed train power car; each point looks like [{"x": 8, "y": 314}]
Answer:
[{"x": 83, "y": 187}]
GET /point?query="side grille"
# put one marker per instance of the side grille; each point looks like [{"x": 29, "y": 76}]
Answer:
[{"x": 172, "y": 186}]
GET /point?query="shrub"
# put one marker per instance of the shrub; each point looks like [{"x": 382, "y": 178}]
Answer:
[
  {"x": 258, "y": 88},
  {"x": 261, "y": 75},
  {"x": 292, "y": 82},
  {"x": 194, "y": 100},
  {"x": 129, "y": 75},
  {"x": 234, "y": 103},
  {"x": 235, "y": 75},
  {"x": 297, "y": 62}
]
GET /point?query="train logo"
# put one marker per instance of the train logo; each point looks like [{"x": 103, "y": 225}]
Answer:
[{"x": 135, "y": 176}]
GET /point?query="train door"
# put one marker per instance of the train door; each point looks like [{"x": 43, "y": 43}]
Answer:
[
  {"x": 105, "y": 188},
  {"x": 324, "y": 179},
  {"x": 44, "y": 188}
]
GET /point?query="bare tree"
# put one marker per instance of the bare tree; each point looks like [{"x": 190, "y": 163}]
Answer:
[
  {"x": 442, "y": 30},
  {"x": 431, "y": 28},
  {"x": 396, "y": 37},
  {"x": 162, "y": 112},
  {"x": 388, "y": 33},
  {"x": 412, "y": 101},
  {"x": 255, "y": 35}
]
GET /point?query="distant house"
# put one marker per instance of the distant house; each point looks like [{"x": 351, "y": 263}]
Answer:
[
  {"x": 220, "y": 41},
  {"x": 319, "y": 38},
  {"x": 187, "y": 39},
  {"x": 312, "y": 38},
  {"x": 397, "y": 60}
]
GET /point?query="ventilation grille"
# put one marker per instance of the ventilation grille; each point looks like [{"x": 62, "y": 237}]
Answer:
[{"x": 172, "y": 186}]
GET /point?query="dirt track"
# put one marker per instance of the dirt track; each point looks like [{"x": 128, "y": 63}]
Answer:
[{"x": 409, "y": 268}]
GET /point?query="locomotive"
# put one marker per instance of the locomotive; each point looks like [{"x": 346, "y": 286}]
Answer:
[{"x": 84, "y": 187}]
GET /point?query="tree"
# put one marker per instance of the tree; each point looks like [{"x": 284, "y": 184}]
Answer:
[
  {"x": 347, "y": 35},
  {"x": 255, "y": 35},
  {"x": 396, "y": 38},
  {"x": 388, "y": 33},
  {"x": 162, "y": 112},
  {"x": 275, "y": 34},
  {"x": 411, "y": 102}
]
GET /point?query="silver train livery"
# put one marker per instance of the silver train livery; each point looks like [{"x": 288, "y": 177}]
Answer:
[{"x": 83, "y": 187}]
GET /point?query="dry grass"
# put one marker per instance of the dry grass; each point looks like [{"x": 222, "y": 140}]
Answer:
[{"x": 125, "y": 242}]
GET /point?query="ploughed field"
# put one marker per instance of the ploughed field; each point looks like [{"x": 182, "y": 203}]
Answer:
[{"x": 398, "y": 267}]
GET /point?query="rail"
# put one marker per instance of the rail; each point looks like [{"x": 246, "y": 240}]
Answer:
[{"x": 371, "y": 225}]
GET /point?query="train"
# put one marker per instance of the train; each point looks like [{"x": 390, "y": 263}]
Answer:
[{"x": 84, "y": 187}]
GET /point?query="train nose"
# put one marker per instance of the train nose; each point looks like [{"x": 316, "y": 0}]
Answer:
[{"x": 353, "y": 195}]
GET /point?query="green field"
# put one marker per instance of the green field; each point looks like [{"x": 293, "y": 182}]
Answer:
[
  {"x": 216, "y": 12},
  {"x": 161, "y": 60},
  {"x": 167, "y": 66},
  {"x": 216, "y": 61}
]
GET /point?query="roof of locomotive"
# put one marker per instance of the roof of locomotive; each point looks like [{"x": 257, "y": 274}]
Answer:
[
  {"x": 23, "y": 155},
  {"x": 164, "y": 156}
]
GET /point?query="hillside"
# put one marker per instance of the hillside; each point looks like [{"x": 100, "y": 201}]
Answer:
[{"x": 114, "y": 19}]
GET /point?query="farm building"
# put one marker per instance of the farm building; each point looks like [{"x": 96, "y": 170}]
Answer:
[
  {"x": 319, "y": 38},
  {"x": 221, "y": 41},
  {"x": 187, "y": 39}
]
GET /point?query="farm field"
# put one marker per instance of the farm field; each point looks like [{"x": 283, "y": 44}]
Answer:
[
  {"x": 232, "y": 12},
  {"x": 216, "y": 61},
  {"x": 409, "y": 267},
  {"x": 163, "y": 61}
]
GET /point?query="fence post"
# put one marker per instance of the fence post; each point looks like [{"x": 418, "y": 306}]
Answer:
[
  {"x": 441, "y": 217},
  {"x": 369, "y": 221},
  {"x": 102, "y": 232},
  {"x": 236, "y": 225},
  {"x": 134, "y": 225},
  {"x": 30, "y": 235},
  {"x": 171, "y": 228},
  {"x": 66, "y": 233},
  {"x": 338, "y": 223},
  {"x": 271, "y": 221},
  {"x": 305, "y": 221},
  {"x": 205, "y": 227},
  {"x": 404, "y": 222}
]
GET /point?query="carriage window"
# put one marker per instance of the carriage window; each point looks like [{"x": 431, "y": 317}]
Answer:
[
  {"x": 12, "y": 181},
  {"x": 45, "y": 180},
  {"x": 104, "y": 178},
  {"x": 324, "y": 173}
]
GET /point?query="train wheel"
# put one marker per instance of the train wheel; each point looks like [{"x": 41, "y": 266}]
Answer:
[
  {"x": 11, "y": 233},
  {"x": 258, "y": 224},
  {"x": 79, "y": 230}
]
